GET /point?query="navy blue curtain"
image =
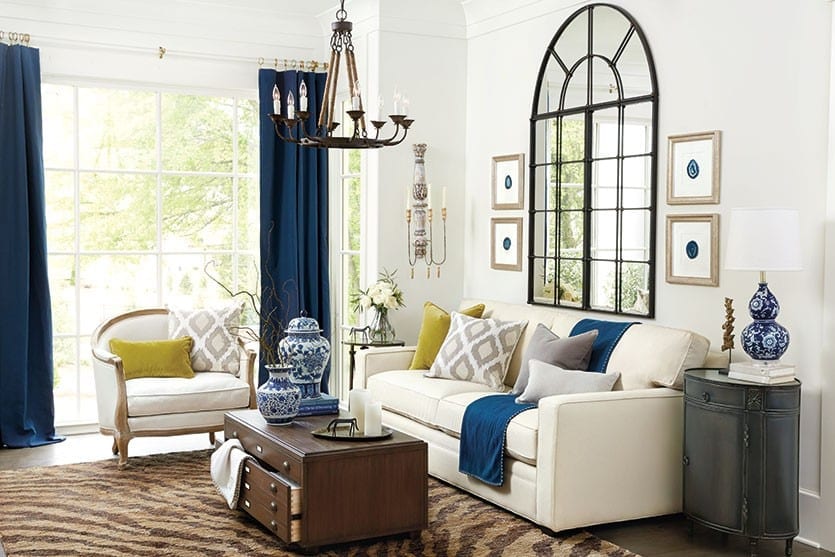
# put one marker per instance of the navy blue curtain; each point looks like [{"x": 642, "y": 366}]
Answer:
[
  {"x": 294, "y": 209},
  {"x": 27, "y": 407}
]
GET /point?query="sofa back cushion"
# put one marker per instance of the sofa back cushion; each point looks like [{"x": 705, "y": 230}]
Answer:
[{"x": 646, "y": 356}]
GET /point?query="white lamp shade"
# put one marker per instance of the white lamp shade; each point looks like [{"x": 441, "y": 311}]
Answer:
[{"x": 763, "y": 240}]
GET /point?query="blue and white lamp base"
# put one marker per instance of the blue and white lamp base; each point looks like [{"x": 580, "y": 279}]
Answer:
[{"x": 764, "y": 340}]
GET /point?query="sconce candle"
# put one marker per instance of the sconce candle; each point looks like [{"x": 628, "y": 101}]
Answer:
[
  {"x": 303, "y": 97},
  {"x": 276, "y": 100},
  {"x": 291, "y": 106}
]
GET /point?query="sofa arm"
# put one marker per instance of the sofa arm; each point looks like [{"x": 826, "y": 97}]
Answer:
[
  {"x": 377, "y": 360},
  {"x": 608, "y": 457}
]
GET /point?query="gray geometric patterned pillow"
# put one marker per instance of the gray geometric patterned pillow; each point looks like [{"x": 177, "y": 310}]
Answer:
[
  {"x": 477, "y": 350},
  {"x": 214, "y": 346}
]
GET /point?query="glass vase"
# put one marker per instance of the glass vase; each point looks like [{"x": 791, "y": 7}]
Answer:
[{"x": 380, "y": 329}]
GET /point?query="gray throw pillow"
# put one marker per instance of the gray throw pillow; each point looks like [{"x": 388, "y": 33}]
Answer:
[
  {"x": 547, "y": 380},
  {"x": 545, "y": 345}
]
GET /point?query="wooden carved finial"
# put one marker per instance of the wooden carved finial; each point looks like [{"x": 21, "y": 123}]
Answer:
[{"x": 728, "y": 325}]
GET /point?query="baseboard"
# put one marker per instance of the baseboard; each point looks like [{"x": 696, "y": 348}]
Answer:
[{"x": 809, "y": 518}]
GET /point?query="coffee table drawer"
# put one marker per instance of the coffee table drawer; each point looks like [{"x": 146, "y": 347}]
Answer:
[
  {"x": 271, "y": 500},
  {"x": 265, "y": 450}
]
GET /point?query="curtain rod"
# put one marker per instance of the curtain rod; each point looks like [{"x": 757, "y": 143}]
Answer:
[{"x": 161, "y": 52}]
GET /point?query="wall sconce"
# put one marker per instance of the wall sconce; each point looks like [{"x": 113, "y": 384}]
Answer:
[{"x": 419, "y": 205}]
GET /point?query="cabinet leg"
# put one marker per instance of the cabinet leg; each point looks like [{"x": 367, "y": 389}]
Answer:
[
  {"x": 753, "y": 546},
  {"x": 789, "y": 548}
]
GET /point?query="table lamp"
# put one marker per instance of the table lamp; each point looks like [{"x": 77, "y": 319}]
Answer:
[{"x": 761, "y": 239}]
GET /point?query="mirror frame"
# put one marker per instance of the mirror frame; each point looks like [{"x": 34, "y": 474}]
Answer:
[{"x": 588, "y": 109}]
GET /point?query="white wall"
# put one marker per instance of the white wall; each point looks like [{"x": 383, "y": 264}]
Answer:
[{"x": 762, "y": 77}]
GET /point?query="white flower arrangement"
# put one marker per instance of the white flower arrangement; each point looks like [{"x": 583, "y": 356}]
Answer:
[{"x": 383, "y": 295}]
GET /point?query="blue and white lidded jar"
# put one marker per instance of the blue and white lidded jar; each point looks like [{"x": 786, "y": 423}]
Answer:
[{"x": 308, "y": 352}]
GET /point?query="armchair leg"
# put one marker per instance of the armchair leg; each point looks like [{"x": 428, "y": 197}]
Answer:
[
  {"x": 115, "y": 447},
  {"x": 212, "y": 438},
  {"x": 122, "y": 448}
]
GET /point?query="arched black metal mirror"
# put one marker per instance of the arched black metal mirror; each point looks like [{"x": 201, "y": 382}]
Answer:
[{"x": 593, "y": 167}]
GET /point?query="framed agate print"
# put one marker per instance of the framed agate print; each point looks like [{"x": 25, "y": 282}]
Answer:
[{"x": 693, "y": 168}]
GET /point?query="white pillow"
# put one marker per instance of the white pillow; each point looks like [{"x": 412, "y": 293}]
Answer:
[
  {"x": 213, "y": 331},
  {"x": 547, "y": 380},
  {"x": 477, "y": 350}
]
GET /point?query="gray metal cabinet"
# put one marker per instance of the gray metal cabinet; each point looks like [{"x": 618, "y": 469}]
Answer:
[{"x": 741, "y": 456}]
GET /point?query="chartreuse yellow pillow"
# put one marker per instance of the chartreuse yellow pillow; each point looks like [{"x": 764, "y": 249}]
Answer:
[
  {"x": 154, "y": 358},
  {"x": 433, "y": 331}
]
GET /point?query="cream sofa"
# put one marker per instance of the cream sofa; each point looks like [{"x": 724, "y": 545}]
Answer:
[{"x": 576, "y": 460}]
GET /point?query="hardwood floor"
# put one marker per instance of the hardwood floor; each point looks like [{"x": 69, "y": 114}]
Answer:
[{"x": 663, "y": 536}]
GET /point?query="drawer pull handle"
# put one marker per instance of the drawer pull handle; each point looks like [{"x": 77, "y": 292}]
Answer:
[
  {"x": 273, "y": 525},
  {"x": 259, "y": 449},
  {"x": 706, "y": 396},
  {"x": 246, "y": 504},
  {"x": 273, "y": 488},
  {"x": 286, "y": 465},
  {"x": 273, "y": 506},
  {"x": 246, "y": 469},
  {"x": 686, "y": 461},
  {"x": 246, "y": 486}
]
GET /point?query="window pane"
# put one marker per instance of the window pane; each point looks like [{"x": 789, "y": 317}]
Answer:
[
  {"x": 603, "y": 234},
  {"x": 117, "y": 129},
  {"x": 249, "y": 216},
  {"x": 571, "y": 234},
  {"x": 60, "y": 210},
  {"x": 351, "y": 213},
  {"x": 571, "y": 282},
  {"x": 635, "y": 234},
  {"x": 65, "y": 379},
  {"x": 248, "y": 136},
  {"x": 62, "y": 293},
  {"x": 572, "y": 143},
  {"x": 350, "y": 284},
  {"x": 185, "y": 282},
  {"x": 117, "y": 211},
  {"x": 88, "y": 411},
  {"x": 544, "y": 276},
  {"x": 603, "y": 281},
  {"x": 111, "y": 284},
  {"x": 635, "y": 288},
  {"x": 196, "y": 213},
  {"x": 58, "y": 135},
  {"x": 197, "y": 133},
  {"x": 351, "y": 162},
  {"x": 605, "y": 130},
  {"x": 605, "y": 184},
  {"x": 544, "y": 237}
]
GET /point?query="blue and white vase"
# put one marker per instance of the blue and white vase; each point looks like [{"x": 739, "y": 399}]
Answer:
[
  {"x": 278, "y": 398},
  {"x": 764, "y": 339},
  {"x": 308, "y": 352}
]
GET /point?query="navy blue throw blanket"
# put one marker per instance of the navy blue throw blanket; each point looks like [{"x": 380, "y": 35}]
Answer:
[
  {"x": 483, "y": 436},
  {"x": 608, "y": 335}
]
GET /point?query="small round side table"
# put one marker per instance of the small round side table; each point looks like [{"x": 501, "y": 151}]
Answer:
[{"x": 364, "y": 345}]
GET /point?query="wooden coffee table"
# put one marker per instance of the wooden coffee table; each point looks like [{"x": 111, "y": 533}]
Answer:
[{"x": 311, "y": 491}]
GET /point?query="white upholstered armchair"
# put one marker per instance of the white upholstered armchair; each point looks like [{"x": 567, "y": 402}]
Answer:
[{"x": 156, "y": 406}]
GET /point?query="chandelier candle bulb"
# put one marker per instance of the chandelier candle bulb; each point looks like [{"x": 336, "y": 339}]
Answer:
[
  {"x": 355, "y": 97},
  {"x": 397, "y": 100},
  {"x": 303, "y": 97},
  {"x": 276, "y": 100},
  {"x": 381, "y": 114},
  {"x": 358, "y": 399},
  {"x": 373, "y": 419},
  {"x": 291, "y": 106},
  {"x": 405, "y": 104}
]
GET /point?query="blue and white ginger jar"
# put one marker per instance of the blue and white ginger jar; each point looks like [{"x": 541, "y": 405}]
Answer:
[
  {"x": 308, "y": 352},
  {"x": 278, "y": 398}
]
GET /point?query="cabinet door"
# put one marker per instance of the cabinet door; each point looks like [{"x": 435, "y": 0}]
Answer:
[
  {"x": 714, "y": 461},
  {"x": 781, "y": 474}
]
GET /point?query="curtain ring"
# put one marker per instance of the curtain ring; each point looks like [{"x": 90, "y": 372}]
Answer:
[
  {"x": 12, "y": 37},
  {"x": 162, "y": 51},
  {"x": 276, "y": 64},
  {"x": 1, "y": 35},
  {"x": 260, "y": 61},
  {"x": 26, "y": 38}
]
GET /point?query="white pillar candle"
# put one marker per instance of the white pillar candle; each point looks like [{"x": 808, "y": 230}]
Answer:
[
  {"x": 357, "y": 400},
  {"x": 373, "y": 418}
]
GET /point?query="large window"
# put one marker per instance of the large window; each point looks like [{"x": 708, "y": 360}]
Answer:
[{"x": 143, "y": 189}]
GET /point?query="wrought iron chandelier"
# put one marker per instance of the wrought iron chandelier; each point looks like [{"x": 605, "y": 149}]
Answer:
[{"x": 291, "y": 126}]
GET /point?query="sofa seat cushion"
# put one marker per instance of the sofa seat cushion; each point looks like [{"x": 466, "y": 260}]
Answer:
[
  {"x": 149, "y": 396},
  {"x": 415, "y": 396},
  {"x": 521, "y": 433}
]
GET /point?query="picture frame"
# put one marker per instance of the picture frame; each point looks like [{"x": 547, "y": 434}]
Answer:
[
  {"x": 506, "y": 243},
  {"x": 693, "y": 249},
  {"x": 693, "y": 168},
  {"x": 508, "y": 182}
]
